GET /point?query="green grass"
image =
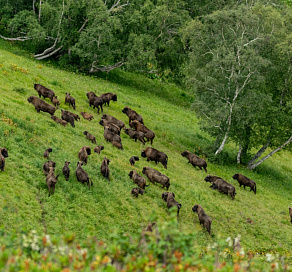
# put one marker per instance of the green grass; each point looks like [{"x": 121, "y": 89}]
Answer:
[{"x": 24, "y": 201}]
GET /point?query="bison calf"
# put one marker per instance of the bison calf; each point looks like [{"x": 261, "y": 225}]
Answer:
[
  {"x": 66, "y": 170},
  {"x": 82, "y": 176},
  {"x": 153, "y": 154},
  {"x": 195, "y": 160},
  {"x": 98, "y": 148},
  {"x": 140, "y": 181},
  {"x": 55, "y": 101},
  {"x": 107, "y": 97},
  {"x": 204, "y": 219},
  {"x": 87, "y": 116},
  {"x": 149, "y": 134},
  {"x": 70, "y": 100},
  {"x": 104, "y": 169},
  {"x": 133, "y": 160},
  {"x": 112, "y": 127},
  {"x": 243, "y": 180},
  {"x": 47, "y": 152},
  {"x": 113, "y": 120},
  {"x": 47, "y": 165},
  {"x": 67, "y": 117},
  {"x": 83, "y": 153},
  {"x": 44, "y": 91},
  {"x": 224, "y": 187},
  {"x": 168, "y": 197},
  {"x": 51, "y": 180},
  {"x": 132, "y": 115},
  {"x": 90, "y": 136},
  {"x": 59, "y": 121},
  {"x": 136, "y": 191},
  {"x": 136, "y": 135}
]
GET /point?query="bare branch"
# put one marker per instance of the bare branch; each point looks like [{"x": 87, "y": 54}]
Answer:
[
  {"x": 118, "y": 5},
  {"x": 50, "y": 54},
  {"x": 103, "y": 68},
  {"x": 81, "y": 28},
  {"x": 16, "y": 39}
]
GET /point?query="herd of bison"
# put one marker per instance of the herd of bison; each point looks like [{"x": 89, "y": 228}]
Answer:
[{"x": 112, "y": 130}]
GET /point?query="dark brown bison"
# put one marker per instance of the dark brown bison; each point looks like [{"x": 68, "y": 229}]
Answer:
[
  {"x": 132, "y": 115},
  {"x": 95, "y": 101},
  {"x": 224, "y": 187},
  {"x": 70, "y": 100},
  {"x": 168, "y": 197},
  {"x": 47, "y": 165},
  {"x": 82, "y": 176},
  {"x": 44, "y": 91},
  {"x": 290, "y": 212},
  {"x": 90, "y": 136},
  {"x": 155, "y": 176},
  {"x": 3, "y": 155},
  {"x": 140, "y": 181},
  {"x": 41, "y": 105},
  {"x": 74, "y": 115},
  {"x": 51, "y": 180},
  {"x": 243, "y": 180},
  {"x": 204, "y": 219},
  {"x": 104, "y": 169},
  {"x": 112, "y": 127},
  {"x": 98, "y": 148},
  {"x": 113, "y": 120},
  {"x": 66, "y": 170},
  {"x": 149, "y": 134},
  {"x": 87, "y": 116},
  {"x": 47, "y": 153},
  {"x": 55, "y": 101},
  {"x": 136, "y": 135},
  {"x": 59, "y": 121},
  {"x": 153, "y": 154},
  {"x": 110, "y": 136},
  {"x": 211, "y": 179},
  {"x": 195, "y": 160},
  {"x": 119, "y": 145},
  {"x": 150, "y": 226},
  {"x": 133, "y": 159},
  {"x": 68, "y": 118},
  {"x": 136, "y": 191},
  {"x": 83, "y": 153},
  {"x": 107, "y": 97}
]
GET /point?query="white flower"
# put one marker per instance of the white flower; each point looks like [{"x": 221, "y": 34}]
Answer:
[
  {"x": 229, "y": 241},
  {"x": 270, "y": 257}
]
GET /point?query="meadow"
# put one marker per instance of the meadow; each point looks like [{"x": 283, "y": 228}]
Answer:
[{"x": 262, "y": 220}]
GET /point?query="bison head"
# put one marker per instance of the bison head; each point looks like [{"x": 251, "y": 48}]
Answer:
[
  {"x": 125, "y": 110},
  {"x": 131, "y": 174},
  {"x": 30, "y": 99},
  {"x": 4, "y": 152},
  {"x": 143, "y": 154},
  {"x": 235, "y": 176},
  {"x": 195, "y": 208},
  {"x": 208, "y": 178},
  {"x": 114, "y": 97},
  {"x": 185, "y": 153},
  {"x": 164, "y": 196}
]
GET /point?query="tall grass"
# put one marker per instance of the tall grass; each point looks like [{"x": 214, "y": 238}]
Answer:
[{"x": 261, "y": 219}]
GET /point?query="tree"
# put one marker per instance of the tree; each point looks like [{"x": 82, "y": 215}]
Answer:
[{"x": 227, "y": 70}]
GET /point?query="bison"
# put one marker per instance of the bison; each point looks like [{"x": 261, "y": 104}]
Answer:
[
  {"x": 149, "y": 134},
  {"x": 59, "y": 121},
  {"x": 195, "y": 160},
  {"x": 155, "y": 176},
  {"x": 224, "y": 187},
  {"x": 211, "y": 179},
  {"x": 51, "y": 180},
  {"x": 136, "y": 191},
  {"x": 70, "y": 100},
  {"x": 243, "y": 180},
  {"x": 66, "y": 170},
  {"x": 132, "y": 115},
  {"x": 90, "y": 136},
  {"x": 150, "y": 226},
  {"x": 110, "y": 136},
  {"x": 3, "y": 155},
  {"x": 113, "y": 120},
  {"x": 290, "y": 212},
  {"x": 136, "y": 135},
  {"x": 107, "y": 97},
  {"x": 112, "y": 127},
  {"x": 74, "y": 115},
  {"x": 87, "y": 116},
  {"x": 153, "y": 154},
  {"x": 47, "y": 165},
  {"x": 119, "y": 145},
  {"x": 83, "y": 153},
  {"x": 133, "y": 159},
  {"x": 82, "y": 176},
  {"x": 47, "y": 152},
  {"x": 204, "y": 219},
  {"x": 95, "y": 101},
  {"x": 44, "y": 91},
  {"x": 140, "y": 181},
  {"x": 104, "y": 169},
  {"x": 68, "y": 118},
  {"x": 55, "y": 101},
  {"x": 98, "y": 148},
  {"x": 41, "y": 105},
  {"x": 168, "y": 197}
]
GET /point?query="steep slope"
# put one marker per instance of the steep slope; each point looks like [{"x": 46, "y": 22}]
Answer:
[{"x": 261, "y": 219}]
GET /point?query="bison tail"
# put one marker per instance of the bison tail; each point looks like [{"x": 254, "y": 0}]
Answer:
[
  {"x": 255, "y": 189},
  {"x": 205, "y": 168}
]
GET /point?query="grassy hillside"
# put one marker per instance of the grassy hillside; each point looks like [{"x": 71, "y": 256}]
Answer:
[{"x": 261, "y": 219}]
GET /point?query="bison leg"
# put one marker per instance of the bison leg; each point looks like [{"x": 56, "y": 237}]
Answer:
[{"x": 205, "y": 168}]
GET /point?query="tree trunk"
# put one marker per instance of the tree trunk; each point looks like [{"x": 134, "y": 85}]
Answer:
[
  {"x": 259, "y": 153},
  {"x": 40, "y": 11},
  {"x": 33, "y": 6},
  {"x": 239, "y": 154},
  {"x": 252, "y": 166}
]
